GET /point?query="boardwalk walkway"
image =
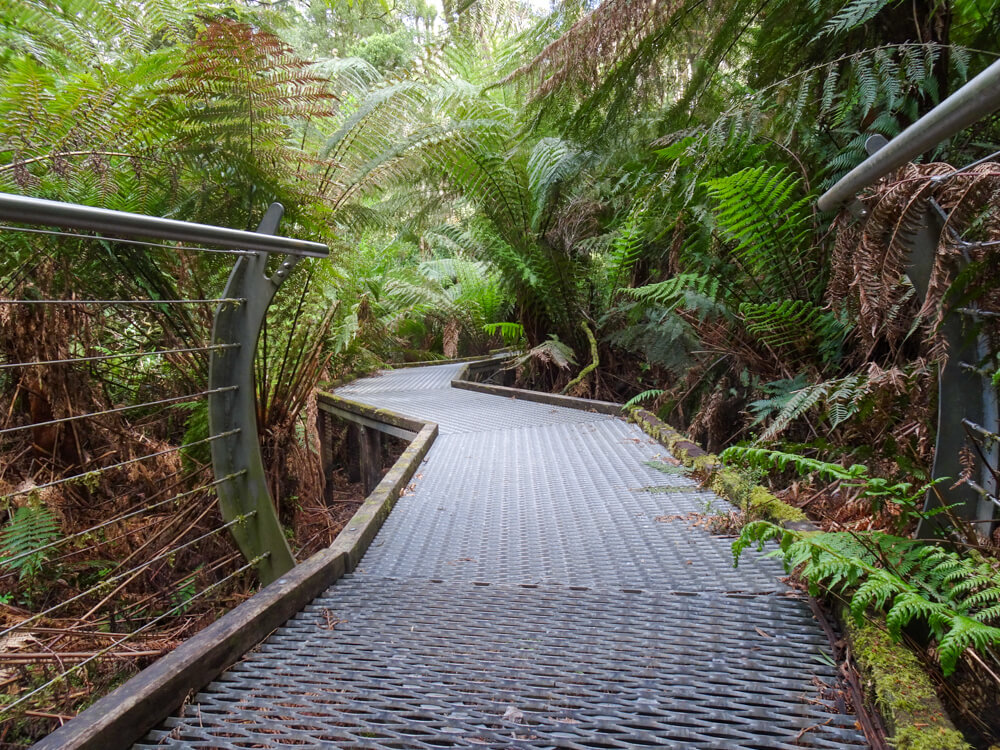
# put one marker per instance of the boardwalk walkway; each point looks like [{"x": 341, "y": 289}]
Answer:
[{"x": 534, "y": 590}]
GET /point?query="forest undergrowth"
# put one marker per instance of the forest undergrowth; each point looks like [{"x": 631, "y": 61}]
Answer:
[{"x": 623, "y": 191}]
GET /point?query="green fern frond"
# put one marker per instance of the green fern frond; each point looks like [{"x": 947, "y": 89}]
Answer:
[
  {"x": 664, "y": 339},
  {"x": 511, "y": 333},
  {"x": 758, "y": 212},
  {"x": 644, "y": 396},
  {"x": 767, "y": 458},
  {"x": 962, "y": 633},
  {"x": 551, "y": 163},
  {"x": 843, "y": 398},
  {"x": 31, "y": 528},
  {"x": 991, "y": 614},
  {"x": 798, "y": 404},
  {"x": 958, "y": 596},
  {"x": 851, "y": 16},
  {"x": 786, "y": 323},
  {"x": 876, "y": 591},
  {"x": 908, "y": 606},
  {"x": 626, "y": 247},
  {"x": 672, "y": 293}
]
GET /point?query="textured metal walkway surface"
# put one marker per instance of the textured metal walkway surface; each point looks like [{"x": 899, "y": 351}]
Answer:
[{"x": 541, "y": 586}]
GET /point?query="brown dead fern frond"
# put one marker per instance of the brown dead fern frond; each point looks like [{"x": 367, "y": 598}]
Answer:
[
  {"x": 575, "y": 222},
  {"x": 579, "y": 59},
  {"x": 243, "y": 87},
  {"x": 870, "y": 260}
]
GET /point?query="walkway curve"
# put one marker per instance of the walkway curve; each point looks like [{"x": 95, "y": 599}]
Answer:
[{"x": 540, "y": 586}]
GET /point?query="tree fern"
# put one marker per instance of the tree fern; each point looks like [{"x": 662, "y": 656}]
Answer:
[
  {"x": 757, "y": 209},
  {"x": 879, "y": 85},
  {"x": 348, "y": 76},
  {"x": 92, "y": 33},
  {"x": 551, "y": 163}
]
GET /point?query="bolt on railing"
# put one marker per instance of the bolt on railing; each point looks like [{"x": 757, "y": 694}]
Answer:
[
  {"x": 102, "y": 482},
  {"x": 967, "y": 442}
]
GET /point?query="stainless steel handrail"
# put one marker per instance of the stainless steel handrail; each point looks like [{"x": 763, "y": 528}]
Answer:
[
  {"x": 976, "y": 99},
  {"x": 25, "y": 210}
]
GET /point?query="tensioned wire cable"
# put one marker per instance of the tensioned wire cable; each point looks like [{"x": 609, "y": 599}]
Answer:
[
  {"x": 221, "y": 300},
  {"x": 145, "y": 509},
  {"x": 128, "y": 610},
  {"x": 151, "y": 506},
  {"x": 967, "y": 167},
  {"x": 108, "y": 581},
  {"x": 102, "y": 652},
  {"x": 84, "y": 475},
  {"x": 73, "y": 553},
  {"x": 118, "y": 410},
  {"x": 981, "y": 430},
  {"x": 107, "y": 357}
]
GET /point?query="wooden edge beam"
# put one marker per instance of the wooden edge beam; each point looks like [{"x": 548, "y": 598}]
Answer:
[
  {"x": 498, "y": 354},
  {"x": 552, "y": 399},
  {"x": 344, "y": 408},
  {"x": 125, "y": 715}
]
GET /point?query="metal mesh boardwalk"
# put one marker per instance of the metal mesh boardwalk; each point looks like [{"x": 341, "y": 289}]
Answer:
[{"x": 537, "y": 589}]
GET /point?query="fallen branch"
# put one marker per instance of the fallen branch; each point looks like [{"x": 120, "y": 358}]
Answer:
[
  {"x": 37, "y": 656},
  {"x": 44, "y": 715}
]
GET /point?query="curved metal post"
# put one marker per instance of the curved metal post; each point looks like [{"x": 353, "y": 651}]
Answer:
[
  {"x": 963, "y": 396},
  {"x": 238, "y": 456}
]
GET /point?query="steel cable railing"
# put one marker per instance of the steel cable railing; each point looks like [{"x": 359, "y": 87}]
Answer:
[
  {"x": 85, "y": 659},
  {"x": 975, "y": 100},
  {"x": 967, "y": 444},
  {"x": 125, "y": 405}
]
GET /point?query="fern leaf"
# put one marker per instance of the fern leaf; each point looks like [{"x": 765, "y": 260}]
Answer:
[
  {"x": 31, "y": 528},
  {"x": 626, "y": 248},
  {"x": 644, "y": 396},
  {"x": 757, "y": 211},
  {"x": 551, "y": 163},
  {"x": 511, "y": 333},
  {"x": 851, "y": 16},
  {"x": 962, "y": 633},
  {"x": 671, "y": 293}
]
